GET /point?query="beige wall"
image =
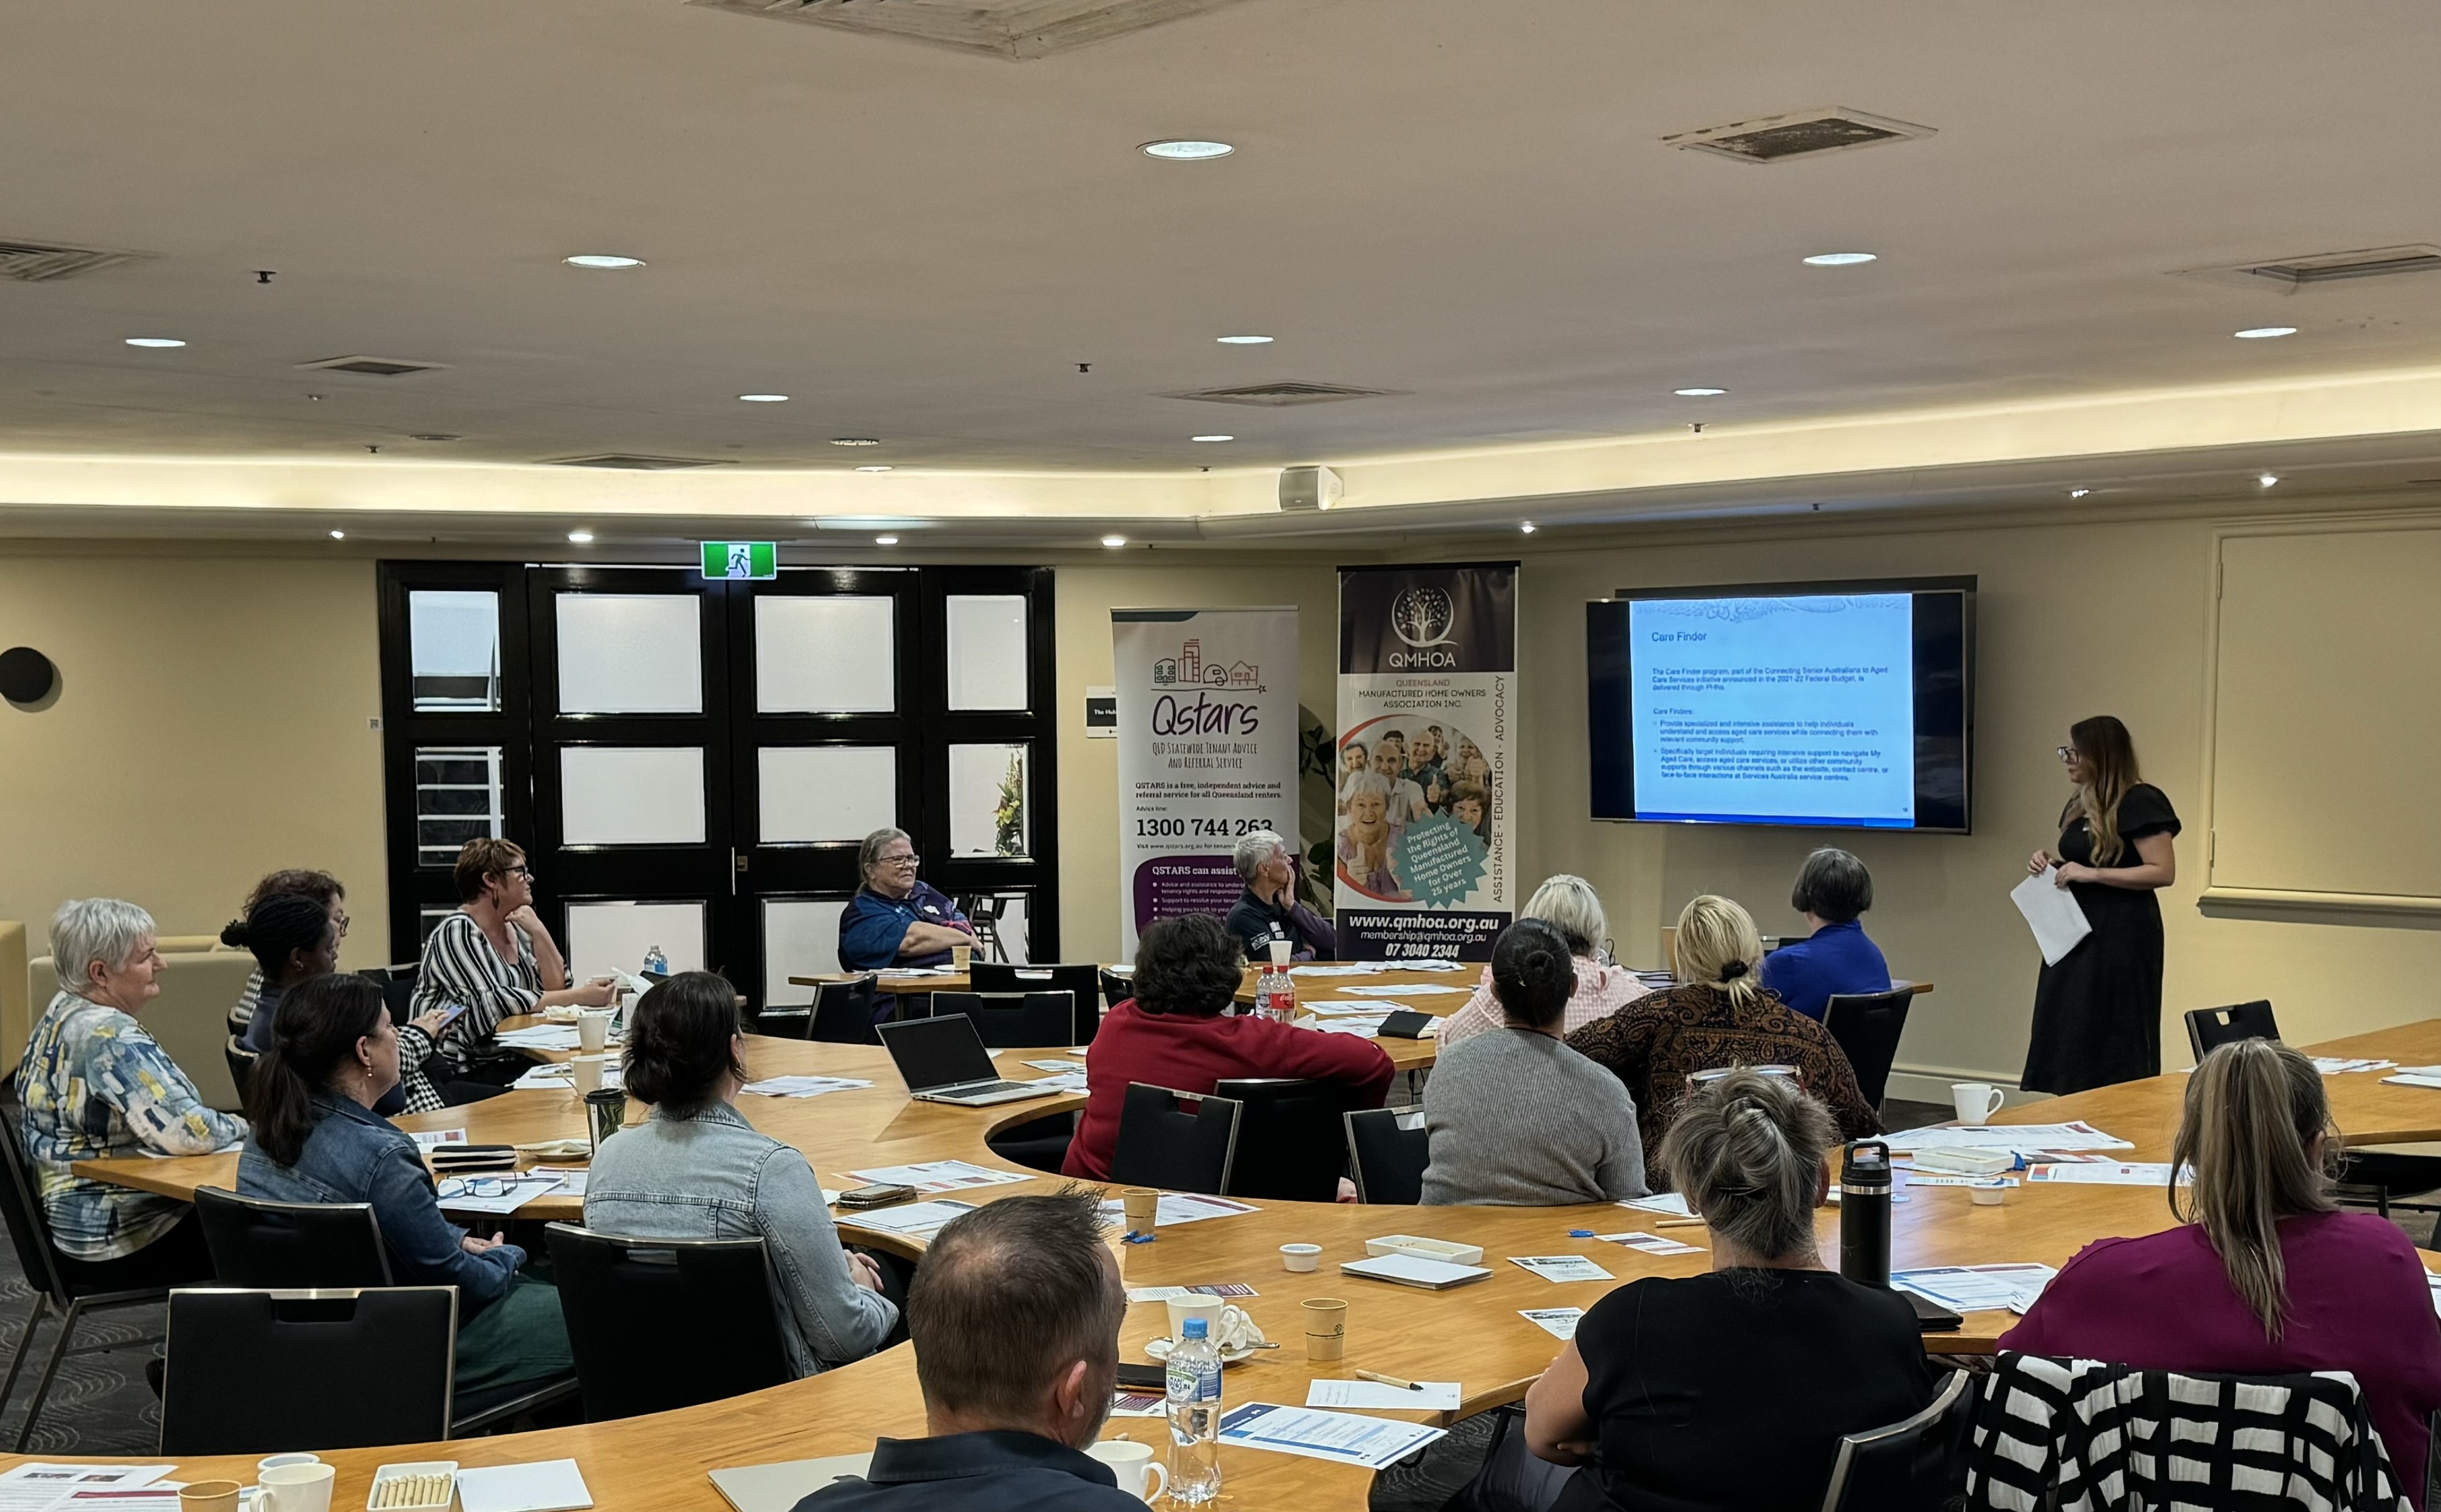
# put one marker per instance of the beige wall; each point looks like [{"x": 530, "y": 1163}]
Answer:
[{"x": 211, "y": 724}]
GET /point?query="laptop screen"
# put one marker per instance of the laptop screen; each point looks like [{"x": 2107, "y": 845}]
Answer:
[{"x": 937, "y": 1052}]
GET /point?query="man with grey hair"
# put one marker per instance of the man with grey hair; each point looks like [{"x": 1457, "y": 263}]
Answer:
[
  {"x": 895, "y": 919},
  {"x": 1269, "y": 909}
]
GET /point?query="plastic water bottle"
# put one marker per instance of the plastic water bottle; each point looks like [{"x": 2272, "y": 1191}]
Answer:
[
  {"x": 1194, "y": 1416},
  {"x": 656, "y": 964}
]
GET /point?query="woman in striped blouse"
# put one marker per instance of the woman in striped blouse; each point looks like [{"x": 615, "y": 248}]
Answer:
[{"x": 493, "y": 959}]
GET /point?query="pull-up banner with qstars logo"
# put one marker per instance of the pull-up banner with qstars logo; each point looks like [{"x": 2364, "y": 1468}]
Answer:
[
  {"x": 1207, "y": 751},
  {"x": 1427, "y": 702}
]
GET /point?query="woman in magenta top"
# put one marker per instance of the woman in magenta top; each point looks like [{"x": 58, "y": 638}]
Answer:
[
  {"x": 2264, "y": 1276},
  {"x": 1173, "y": 1033}
]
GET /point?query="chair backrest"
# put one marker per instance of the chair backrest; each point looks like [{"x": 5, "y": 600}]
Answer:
[
  {"x": 397, "y": 983},
  {"x": 1116, "y": 989},
  {"x": 1085, "y": 980},
  {"x": 1291, "y": 1146},
  {"x": 1175, "y": 1141},
  {"x": 785, "y": 1023},
  {"x": 260, "y": 1243},
  {"x": 1007, "y": 1020},
  {"x": 657, "y": 1323},
  {"x": 2207, "y": 1029},
  {"x": 189, "y": 1020},
  {"x": 843, "y": 1011},
  {"x": 240, "y": 1065},
  {"x": 1912, "y": 1466},
  {"x": 1387, "y": 1149},
  {"x": 21, "y": 1205},
  {"x": 1868, "y": 1025},
  {"x": 251, "y": 1372}
]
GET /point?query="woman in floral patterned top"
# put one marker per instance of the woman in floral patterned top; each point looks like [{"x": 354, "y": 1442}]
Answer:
[
  {"x": 95, "y": 1085},
  {"x": 1719, "y": 1014}
]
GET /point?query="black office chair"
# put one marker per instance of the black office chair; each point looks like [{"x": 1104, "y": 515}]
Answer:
[
  {"x": 1387, "y": 1149},
  {"x": 241, "y": 1066},
  {"x": 56, "y": 1280},
  {"x": 1914, "y": 1465},
  {"x": 397, "y": 982},
  {"x": 2207, "y": 1029},
  {"x": 843, "y": 1012},
  {"x": 1084, "y": 980},
  {"x": 1163, "y": 1143},
  {"x": 1116, "y": 989},
  {"x": 291, "y": 1245},
  {"x": 1013, "y": 1020},
  {"x": 785, "y": 1023},
  {"x": 1291, "y": 1146},
  {"x": 250, "y": 1372},
  {"x": 1868, "y": 1025},
  {"x": 657, "y": 1323}
]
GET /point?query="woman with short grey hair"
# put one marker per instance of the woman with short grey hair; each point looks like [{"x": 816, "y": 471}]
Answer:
[
  {"x": 1730, "y": 1389},
  {"x": 897, "y": 919},
  {"x": 95, "y": 1086},
  {"x": 1569, "y": 905},
  {"x": 1833, "y": 889},
  {"x": 1268, "y": 909}
]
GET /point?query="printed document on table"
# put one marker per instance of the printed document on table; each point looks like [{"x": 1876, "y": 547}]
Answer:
[
  {"x": 545, "y": 1485},
  {"x": 1649, "y": 1243},
  {"x": 2427, "y": 1076},
  {"x": 1343, "y": 1438},
  {"x": 39, "y": 1484},
  {"x": 1562, "y": 1267},
  {"x": 1429, "y": 1396},
  {"x": 916, "y": 1220},
  {"x": 803, "y": 1085},
  {"x": 2053, "y": 913},
  {"x": 2105, "y": 1173},
  {"x": 2079, "y": 1135},
  {"x": 1560, "y": 1322},
  {"x": 125, "y": 1499},
  {"x": 1976, "y": 1289},
  {"x": 935, "y": 1176},
  {"x": 1385, "y": 990},
  {"x": 1218, "y": 1289},
  {"x": 1178, "y": 1207},
  {"x": 1669, "y": 1204}
]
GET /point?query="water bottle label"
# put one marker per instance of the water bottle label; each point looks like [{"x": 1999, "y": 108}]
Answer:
[{"x": 1194, "y": 1382}]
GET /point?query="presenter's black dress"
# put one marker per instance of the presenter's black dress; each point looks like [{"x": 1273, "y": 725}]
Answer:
[{"x": 2098, "y": 1013}]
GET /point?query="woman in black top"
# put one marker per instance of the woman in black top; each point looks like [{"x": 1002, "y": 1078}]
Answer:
[
  {"x": 1730, "y": 1391},
  {"x": 2098, "y": 1011}
]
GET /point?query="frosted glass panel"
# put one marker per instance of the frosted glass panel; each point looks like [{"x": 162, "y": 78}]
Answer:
[
  {"x": 988, "y": 800},
  {"x": 606, "y": 937},
  {"x": 814, "y": 795},
  {"x": 799, "y": 939},
  {"x": 453, "y": 642},
  {"x": 988, "y": 651},
  {"x": 631, "y": 795},
  {"x": 828, "y": 656},
  {"x": 630, "y": 653}
]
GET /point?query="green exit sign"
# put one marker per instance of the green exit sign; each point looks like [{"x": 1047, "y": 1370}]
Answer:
[{"x": 740, "y": 559}]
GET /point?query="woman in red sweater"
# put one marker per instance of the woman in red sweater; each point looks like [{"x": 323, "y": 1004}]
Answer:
[{"x": 1173, "y": 1033}]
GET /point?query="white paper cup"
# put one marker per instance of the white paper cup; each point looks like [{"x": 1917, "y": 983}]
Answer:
[
  {"x": 1133, "y": 1464},
  {"x": 586, "y": 1072},
  {"x": 298, "y": 1488},
  {"x": 594, "y": 1029},
  {"x": 1301, "y": 1256},
  {"x": 1208, "y": 1308}
]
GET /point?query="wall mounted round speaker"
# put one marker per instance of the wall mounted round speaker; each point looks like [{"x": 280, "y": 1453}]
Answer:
[{"x": 26, "y": 674}]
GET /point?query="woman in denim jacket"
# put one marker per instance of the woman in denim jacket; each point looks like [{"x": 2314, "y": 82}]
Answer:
[
  {"x": 695, "y": 1169},
  {"x": 316, "y": 1139}
]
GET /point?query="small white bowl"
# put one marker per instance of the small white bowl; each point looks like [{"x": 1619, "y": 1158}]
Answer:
[
  {"x": 1301, "y": 1256},
  {"x": 1989, "y": 1196}
]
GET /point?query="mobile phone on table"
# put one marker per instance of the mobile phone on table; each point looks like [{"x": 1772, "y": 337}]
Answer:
[
  {"x": 1142, "y": 1377},
  {"x": 879, "y": 1195}
]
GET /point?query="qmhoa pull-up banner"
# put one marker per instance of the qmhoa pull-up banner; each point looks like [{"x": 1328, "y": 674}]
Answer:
[
  {"x": 1207, "y": 751},
  {"x": 1427, "y": 701}
]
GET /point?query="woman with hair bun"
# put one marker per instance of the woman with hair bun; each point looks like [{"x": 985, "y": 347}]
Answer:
[
  {"x": 1516, "y": 1118},
  {"x": 1729, "y": 1389},
  {"x": 293, "y": 937},
  {"x": 695, "y": 1169}
]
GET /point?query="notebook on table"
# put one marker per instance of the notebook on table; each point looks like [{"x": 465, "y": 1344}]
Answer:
[
  {"x": 943, "y": 1060},
  {"x": 780, "y": 1487},
  {"x": 1413, "y": 1270}
]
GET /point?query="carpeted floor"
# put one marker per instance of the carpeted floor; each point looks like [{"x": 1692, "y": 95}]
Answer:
[{"x": 100, "y": 1403}]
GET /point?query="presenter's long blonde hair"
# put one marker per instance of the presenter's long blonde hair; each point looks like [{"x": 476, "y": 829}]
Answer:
[
  {"x": 1718, "y": 946},
  {"x": 2109, "y": 755},
  {"x": 2254, "y": 1110}
]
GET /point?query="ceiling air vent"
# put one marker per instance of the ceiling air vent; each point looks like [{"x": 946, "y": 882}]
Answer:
[
  {"x": 373, "y": 367},
  {"x": 2292, "y": 274},
  {"x": 1016, "y": 29},
  {"x": 1282, "y": 394},
  {"x": 1800, "y": 134},
  {"x": 629, "y": 463},
  {"x": 40, "y": 262}
]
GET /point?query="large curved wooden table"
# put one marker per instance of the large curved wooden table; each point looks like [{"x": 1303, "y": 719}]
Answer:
[{"x": 1473, "y": 1334}]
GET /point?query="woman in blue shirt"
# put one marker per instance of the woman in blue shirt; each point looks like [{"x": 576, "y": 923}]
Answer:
[
  {"x": 894, "y": 920},
  {"x": 1833, "y": 888}
]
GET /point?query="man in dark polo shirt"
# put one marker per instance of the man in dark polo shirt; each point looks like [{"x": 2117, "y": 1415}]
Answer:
[
  {"x": 1015, "y": 1319},
  {"x": 1268, "y": 909}
]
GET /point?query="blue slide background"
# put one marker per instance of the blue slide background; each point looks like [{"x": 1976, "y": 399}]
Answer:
[{"x": 1786, "y": 710}]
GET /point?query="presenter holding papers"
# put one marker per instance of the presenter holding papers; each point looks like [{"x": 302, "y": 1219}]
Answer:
[{"x": 2098, "y": 1009}]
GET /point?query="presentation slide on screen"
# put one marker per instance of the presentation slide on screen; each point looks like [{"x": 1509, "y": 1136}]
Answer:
[{"x": 1787, "y": 711}]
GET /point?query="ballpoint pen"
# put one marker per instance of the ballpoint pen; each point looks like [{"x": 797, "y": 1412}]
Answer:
[{"x": 1388, "y": 1381}]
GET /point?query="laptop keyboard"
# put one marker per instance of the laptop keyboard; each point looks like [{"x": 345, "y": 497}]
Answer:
[{"x": 982, "y": 1087}]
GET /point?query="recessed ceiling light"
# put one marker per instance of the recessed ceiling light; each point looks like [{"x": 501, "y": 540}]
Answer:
[
  {"x": 2268, "y": 478},
  {"x": 1243, "y": 341},
  {"x": 602, "y": 260},
  {"x": 873, "y": 469},
  {"x": 435, "y": 436},
  {"x": 155, "y": 341},
  {"x": 1698, "y": 393},
  {"x": 854, "y": 441},
  {"x": 1212, "y": 437},
  {"x": 1840, "y": 260},
  {"x": 1184, "y": 151},
  {"x": 1115, "y": 541},
  {"x": 1526, "y": 526},
  {"x": 2264, "y": 332},
  {"x": 765, "y": 399},
  {"x": 2078, "y": 492},
  {"x": 581, "y": 538},
  {"x": 338, "y": 536},
  {"x": 885, "y": 540}
]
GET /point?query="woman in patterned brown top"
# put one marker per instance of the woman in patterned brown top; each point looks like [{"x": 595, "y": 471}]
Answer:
[{"x": 1720, "y": 1015}]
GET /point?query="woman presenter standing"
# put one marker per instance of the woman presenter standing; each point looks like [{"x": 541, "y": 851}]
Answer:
[{"x": 2098, "y": 1011}]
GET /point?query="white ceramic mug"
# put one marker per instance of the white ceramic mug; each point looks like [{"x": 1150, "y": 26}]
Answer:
[
  {"x": 1208, "y": 1308},
  {"x": 586, "y": 1072},
  {"x": 592, "y": 1030},
  {"x": 1133, "y": 1464},
  {"x": 1974, "y": 1102},
  {"x": 272, "y": 1461},
  {"x": 298, "y": 1488}
]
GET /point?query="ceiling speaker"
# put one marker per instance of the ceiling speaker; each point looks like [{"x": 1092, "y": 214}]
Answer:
[{"x": 1308, "y": 488}]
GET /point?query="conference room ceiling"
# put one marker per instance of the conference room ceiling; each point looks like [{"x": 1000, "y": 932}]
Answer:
[{"x": 1468, "y": 208}]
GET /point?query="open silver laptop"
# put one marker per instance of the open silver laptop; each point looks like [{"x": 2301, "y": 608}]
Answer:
[{"x": 943, "y": 1060}]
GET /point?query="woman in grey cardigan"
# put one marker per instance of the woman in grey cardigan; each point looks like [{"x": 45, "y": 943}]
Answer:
[
  {"x": 1516, "y": 1118},
  {"x": 695, "y": 1169}
]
